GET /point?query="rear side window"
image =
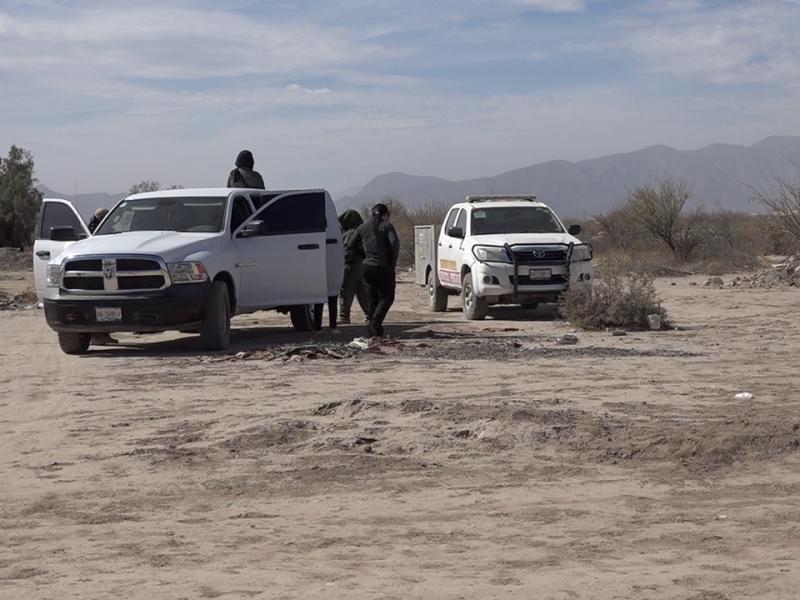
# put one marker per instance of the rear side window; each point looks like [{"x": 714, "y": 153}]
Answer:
[
  {"x": 298, "y": 213},
  {"x": 56, "y": 214}
]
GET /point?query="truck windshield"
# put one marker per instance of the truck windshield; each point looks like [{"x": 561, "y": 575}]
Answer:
[
  {"x": 514, "y": 219},
  {"x": 184, "y": 214}
]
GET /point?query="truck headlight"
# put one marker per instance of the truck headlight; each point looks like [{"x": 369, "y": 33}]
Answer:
[
  {"x": 582, "y": 253},
  {"x": 491, "y": 254},
  {"x": 187, "y": 272},
  {"x": 53, "y": 275}
]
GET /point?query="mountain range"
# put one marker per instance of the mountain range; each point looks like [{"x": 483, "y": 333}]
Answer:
[{"x": 717, "y": 175}]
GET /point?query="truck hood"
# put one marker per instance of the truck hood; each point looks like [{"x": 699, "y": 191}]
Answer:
[
  {"x": 525, "y": 238},
  {"x": 172, "y": 246}
]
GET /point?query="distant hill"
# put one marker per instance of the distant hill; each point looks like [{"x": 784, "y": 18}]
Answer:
[
  {"x": 85, "y": 203},
  {"x": 715, "y": 173}
]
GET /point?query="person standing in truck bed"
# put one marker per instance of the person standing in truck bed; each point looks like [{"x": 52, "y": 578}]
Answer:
[
  {"x": 377, "y": 241},
  {"x": 243, "y": 176}
]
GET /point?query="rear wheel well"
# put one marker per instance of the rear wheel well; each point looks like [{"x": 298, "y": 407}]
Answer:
[{"x": 225, "y": 277}]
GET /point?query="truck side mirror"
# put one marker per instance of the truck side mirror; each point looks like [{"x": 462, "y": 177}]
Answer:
[
  {"x": 253, "y": 229},
  {"x": 575, "y": 229},
  {"x": 456, "y": 232},
  {"x": 65, "y": 233}
]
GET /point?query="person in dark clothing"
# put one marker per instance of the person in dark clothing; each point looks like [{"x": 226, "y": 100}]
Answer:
[
  {"x": 376, "y": 240},
  {"x": 97, "y": 218},
  {"x": 318, "y": 308},
  {"x": 353, "y": 283},
  {"x": 243, "y": 176}
]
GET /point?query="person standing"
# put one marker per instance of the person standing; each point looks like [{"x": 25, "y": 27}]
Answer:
[
  {"x": 353, "y": 283},
  {"x": 243, "y": 176},
  {"x": 377, "y": 241}
]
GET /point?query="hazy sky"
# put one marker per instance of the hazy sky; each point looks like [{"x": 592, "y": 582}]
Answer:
[{"x": 332, "y": 93}]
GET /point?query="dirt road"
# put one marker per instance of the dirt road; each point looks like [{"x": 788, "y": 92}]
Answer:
[{"x": 475, "y": 460}]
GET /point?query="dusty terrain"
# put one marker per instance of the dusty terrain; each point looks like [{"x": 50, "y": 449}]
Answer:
[{"x": 473, "y": 460}]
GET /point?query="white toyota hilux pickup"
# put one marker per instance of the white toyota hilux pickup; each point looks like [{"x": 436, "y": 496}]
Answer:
[
  {"x": 186, "y": 260},
  {"x": 500, "y": 249}
]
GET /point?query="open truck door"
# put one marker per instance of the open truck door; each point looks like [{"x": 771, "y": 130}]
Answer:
[{"x": 59, "y": 226}]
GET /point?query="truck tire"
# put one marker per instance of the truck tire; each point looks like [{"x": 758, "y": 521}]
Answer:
[
  {"x": 437, "y": 295},
  {"x": 216, "y": 328},
  {"x": 74, "y": 343},
  {"x": 302, "y": 317},
  {"x": 475, "y": 308}
]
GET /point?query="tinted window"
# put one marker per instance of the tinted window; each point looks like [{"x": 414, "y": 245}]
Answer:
[
  {"x": 462, "y": 221},
  {"x": 516, "y": 219},
  {"x": 240, "y": 212},
  {"x": 260, "y": 200},
  {"x": 56, "y": 214},
  {"x": 451, "y": 220},
  {"x": 298, "y": 213}
]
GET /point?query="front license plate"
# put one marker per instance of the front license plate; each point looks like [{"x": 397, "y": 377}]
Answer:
[
  {"x": 107, "y": 315},
  {"x": 539, "y": 274}
]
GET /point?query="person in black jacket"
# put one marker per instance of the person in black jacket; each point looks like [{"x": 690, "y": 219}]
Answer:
[
  {"x": 377, "y": 241},
  {"x": 243, "y": 176}
]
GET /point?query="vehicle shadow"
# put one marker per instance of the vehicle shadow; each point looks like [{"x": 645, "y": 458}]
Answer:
[
  {"x": 249, "y": 339},
  {"x": 504, "y": 312}
]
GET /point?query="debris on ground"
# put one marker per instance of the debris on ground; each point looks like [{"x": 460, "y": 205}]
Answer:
[
  {"x": 714, "y": 282},
  {"x": 785, "y": 273},
  {"x": 654, "y": 321},
  {"x": 14, "y": 259},
  {"x": 568, "y": 339},
  {"x": 318, "y": 350},
  {"x": 24, "y": 301}
]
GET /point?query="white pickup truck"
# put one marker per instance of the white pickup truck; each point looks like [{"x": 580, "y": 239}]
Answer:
[
  {"x": 500, "y": 249},
  {"x": 186, "y": 260}
]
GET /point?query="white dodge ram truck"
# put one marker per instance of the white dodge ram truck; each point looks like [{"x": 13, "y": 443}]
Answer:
[
  {"x": 500, "y": 249},
  {"x": 186, "y": 260}
]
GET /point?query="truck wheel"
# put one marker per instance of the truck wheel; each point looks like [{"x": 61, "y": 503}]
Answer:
[
  {"x": 475, "y": 308},
  {"x": 216, "y": 328},
  {"x": 302, "y": 317},
  {"x": 74, "y": 343},
  {"x": 437, "y": 295}
]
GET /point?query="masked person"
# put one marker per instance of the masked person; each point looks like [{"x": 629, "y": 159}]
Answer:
[
  {"x": 353, "y": 283},
  {"x": 377, "y": 241},
  {"x": 243, "y": 176}
]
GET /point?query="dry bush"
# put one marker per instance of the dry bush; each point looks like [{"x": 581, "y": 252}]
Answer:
[
  {"x": 720, "y": 241},
  {"x": 617, "y": 299},
  {"x": 782, "y": 224}
]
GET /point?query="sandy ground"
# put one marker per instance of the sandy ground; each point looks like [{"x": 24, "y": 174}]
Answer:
[{"x": 479, "y": 461}]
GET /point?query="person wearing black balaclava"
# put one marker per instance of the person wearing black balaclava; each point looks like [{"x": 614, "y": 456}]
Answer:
[
  {"x": 243, "y": 176},
  {"x": 377, "y": 241}
]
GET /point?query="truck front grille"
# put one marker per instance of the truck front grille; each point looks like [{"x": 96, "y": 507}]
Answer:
[
  {"x": 540, "y": 256},
  {"x": 114, "y": 274},
  {"x": 84, "y": 283},
  {"x": 141, "y": 282}
]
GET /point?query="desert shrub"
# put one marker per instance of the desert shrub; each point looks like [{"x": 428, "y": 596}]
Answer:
[{"x": 617, "y": 298}]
